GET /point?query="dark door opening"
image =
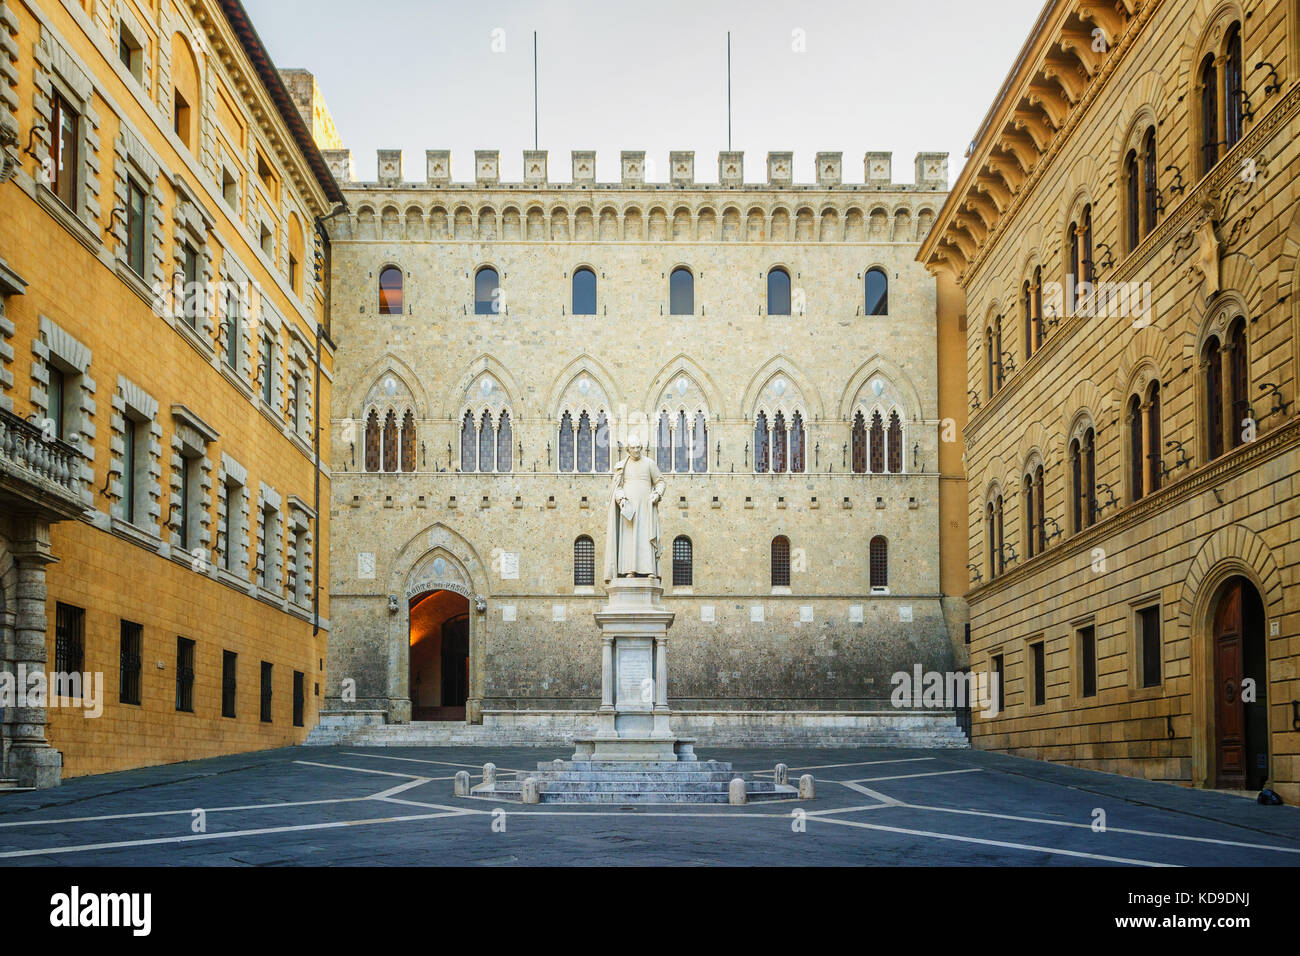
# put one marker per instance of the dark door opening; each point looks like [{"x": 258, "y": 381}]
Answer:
[
  {"x": 439, "y": 675},
  {"x": 1240, "y": 688}
]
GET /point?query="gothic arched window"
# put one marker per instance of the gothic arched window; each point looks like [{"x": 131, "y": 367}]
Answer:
[
  {"x": 565, "y": 443},
  {"x": 372, "y": 441},
  {"x": 1150, "y": 189},
  {"x": 760, "y": 444},
  {"x": 1232, "y": 89},
  {"x": 505, "y": 443},
  {"x": 584, "y": 292},
  {"x": 1136, "y": 464},
  {"x": 408, "y": 441},
  {"x": 664, "y": 447},
  {"x": 584, "y": 562},
  {"x": 602, "y": 443},
  {"x": 1133, "y": 209},
  {"x": 682, "y": 446},
  {"x": 486, "y": 444},
  {"x": 700, "y": 441},
  {"x": 468, "y": 443},
  {"x": 859, "y": 444},
  {"x": 778, "y": 292},
  {"x": 584, "y": 443},
  {"x": 798, "y": 445},
  {"x": 390, "y": 291},
  {"x": 390, "y": 441},
  {"x": 877, "y": 444},
  {"x": 780, "y": 561},
  {"x": 895, "y": 444},
  {"x": 779, "y": 449},
  {"x": 1031, "y": 515},
  {"x": 683, "y": 562},
  {"x": 1155, "y": 468}
]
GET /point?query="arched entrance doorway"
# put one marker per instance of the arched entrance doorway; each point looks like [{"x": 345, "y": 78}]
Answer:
[
  {"x": 1240, "y": 655},
  {"x": 439, "y": 637}
]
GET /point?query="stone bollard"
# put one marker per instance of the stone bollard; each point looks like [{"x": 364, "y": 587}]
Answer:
[
  {"x": 462, "y": 783},
  {"x": 807, "y": 791},
  {"x": 782, "y": 776},
  {"x": 736, "y": 795},
  {"x": 489, "y": 774},
  {"x": 530, "y": 792}
]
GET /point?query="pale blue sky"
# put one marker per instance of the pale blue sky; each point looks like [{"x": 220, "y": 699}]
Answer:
[{"x": 904, "y": 77}]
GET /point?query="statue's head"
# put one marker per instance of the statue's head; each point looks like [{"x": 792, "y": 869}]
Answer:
[{"x": 634, "y": 447}]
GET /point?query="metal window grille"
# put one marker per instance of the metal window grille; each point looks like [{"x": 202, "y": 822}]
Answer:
[
  {"x": 184, "y": 675},
  {"x": 683, "y": 562},
  {"x": 130, "y": 661},
  {"x": 584, "y": 562}
]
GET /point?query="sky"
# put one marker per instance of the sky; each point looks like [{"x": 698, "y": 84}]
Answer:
[{"x": 821, "y": 75}]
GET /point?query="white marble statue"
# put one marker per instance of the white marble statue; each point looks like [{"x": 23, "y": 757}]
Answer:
[{"x": 632, "y": 532}]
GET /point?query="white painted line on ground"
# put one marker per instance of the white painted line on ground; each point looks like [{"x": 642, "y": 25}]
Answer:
[
  {"x": 445, "y": 763},
  {"x": 1109, "y": 829},
  {"x": 165, "y": 813},
  {"x": 338, "y": 766},
  {"x": 433, "y": 806},
  {"x": 913, "y": 776},
  {"x": 865, "y": 763},
  {"x": 400, "y": 788},
  {"x": 999, "y": 843},
  {"x": 856, "y": 785},
  {"x": 232, "y": 834}
]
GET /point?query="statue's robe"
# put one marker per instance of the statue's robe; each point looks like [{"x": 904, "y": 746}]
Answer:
[{"x": 632, "y": 545}]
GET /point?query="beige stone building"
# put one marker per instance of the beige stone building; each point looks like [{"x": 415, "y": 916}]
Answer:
[
  {"x": 1125, "y": 234},
  {"x": 774, "y": 344}
]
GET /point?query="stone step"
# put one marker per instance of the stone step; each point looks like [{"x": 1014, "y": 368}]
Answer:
[
  {"x": 635, "y": 786},
  {"x": 635, "y": 766},
  {"x": 11, "y": 786}
]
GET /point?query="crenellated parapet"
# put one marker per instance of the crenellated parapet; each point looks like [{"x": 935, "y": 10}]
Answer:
[
  {"x": 636, "y": 170},
  {"x": 644, "y": 205}
]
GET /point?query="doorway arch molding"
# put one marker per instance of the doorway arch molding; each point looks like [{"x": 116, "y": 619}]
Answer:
[
  {"x": 1231, "y": 551},
  {"x": 415, "y": 573}
]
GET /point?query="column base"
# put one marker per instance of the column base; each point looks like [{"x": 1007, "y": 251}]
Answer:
[{"x": 37, "y": 767}]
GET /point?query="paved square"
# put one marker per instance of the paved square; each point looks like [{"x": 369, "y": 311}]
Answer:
[{"x": 341, "y": 806}]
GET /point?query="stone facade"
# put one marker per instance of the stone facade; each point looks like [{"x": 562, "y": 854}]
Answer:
[
  {"x": 1114, "y": 624},
  {"x": 505, "y": 541}
]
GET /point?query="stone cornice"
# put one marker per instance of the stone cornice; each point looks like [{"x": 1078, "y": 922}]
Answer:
[{"x": 1284, "y": 438}]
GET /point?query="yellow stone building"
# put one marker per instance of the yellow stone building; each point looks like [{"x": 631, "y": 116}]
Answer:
[
  {"x": 164, "y": 366},
  {"x": 1125, "y": 234}
]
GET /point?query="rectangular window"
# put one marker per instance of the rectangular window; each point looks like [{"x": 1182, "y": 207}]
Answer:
[
  {"x": 230, "y": 188},
  {"x": 63, "y": 150},
  {"x": 135, "y": 229},
  {"x": 295, "y": 389},
  {"x": 234, "y": 506},
  {"x": 1038, "y": 662},
  {"x": 69, "y": 639},
  {"x": 190, "y": 269},
  {"x": 293, "y": 273},
  {"x": 266, "y": 692},
  {"x": 230, "y": 328},
  {"x": 181, "y": 117},
  {"x": 128, "y": 469},
  {"x": 267, "y": 240},
  {"x": 55, "y": 395},
  {"x": 268, "y": 353},
  {"x": 228, "y": 661},
  {"x": 1148, "y": 626},
  {"x": 185, "y": 675},
  {"x": 1088, "y": 661},
  {"x": 128, "y": 691},
  {"x": 1000, "y": 679},
  {"x": 264, "y": 575},
  {"x": 189, "y": 485},
  {"x": 299, "y": 697},
  {"x": 129, "y": 51}
]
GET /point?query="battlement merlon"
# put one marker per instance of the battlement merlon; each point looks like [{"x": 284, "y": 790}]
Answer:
[{"x": 931, "y": 171}]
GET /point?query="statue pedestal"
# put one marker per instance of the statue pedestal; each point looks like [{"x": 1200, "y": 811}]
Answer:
[{"x": 633, "y": 721}]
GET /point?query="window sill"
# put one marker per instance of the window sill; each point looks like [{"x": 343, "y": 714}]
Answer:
[
  {"x": 194, "y": 337},
  {"x": 270, "y": 414},
  {"x": 584, "y": 589},
  {"x": 69, "y": 220},
  {"x": 683, "y": 591},
  {"x": 270, "y": 597},
  {"x": 781, "y": 590},
  {"x": 233, "y": 580},
  {"x": 124, "y": 529},
  {"x": 237, "y": 380},
  {"x": 137, "y": 285}
]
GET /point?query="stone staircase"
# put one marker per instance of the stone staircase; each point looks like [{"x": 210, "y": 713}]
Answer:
[
  {"x": 628, "y": 782},
  {"x": 930, "y": 730}
]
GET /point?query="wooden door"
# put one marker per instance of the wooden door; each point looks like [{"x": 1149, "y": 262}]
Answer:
[{"x": 1229, "y": 712}]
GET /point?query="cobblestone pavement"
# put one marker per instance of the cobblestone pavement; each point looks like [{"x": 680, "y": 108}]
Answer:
[{"x": 340, "y": 806}]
